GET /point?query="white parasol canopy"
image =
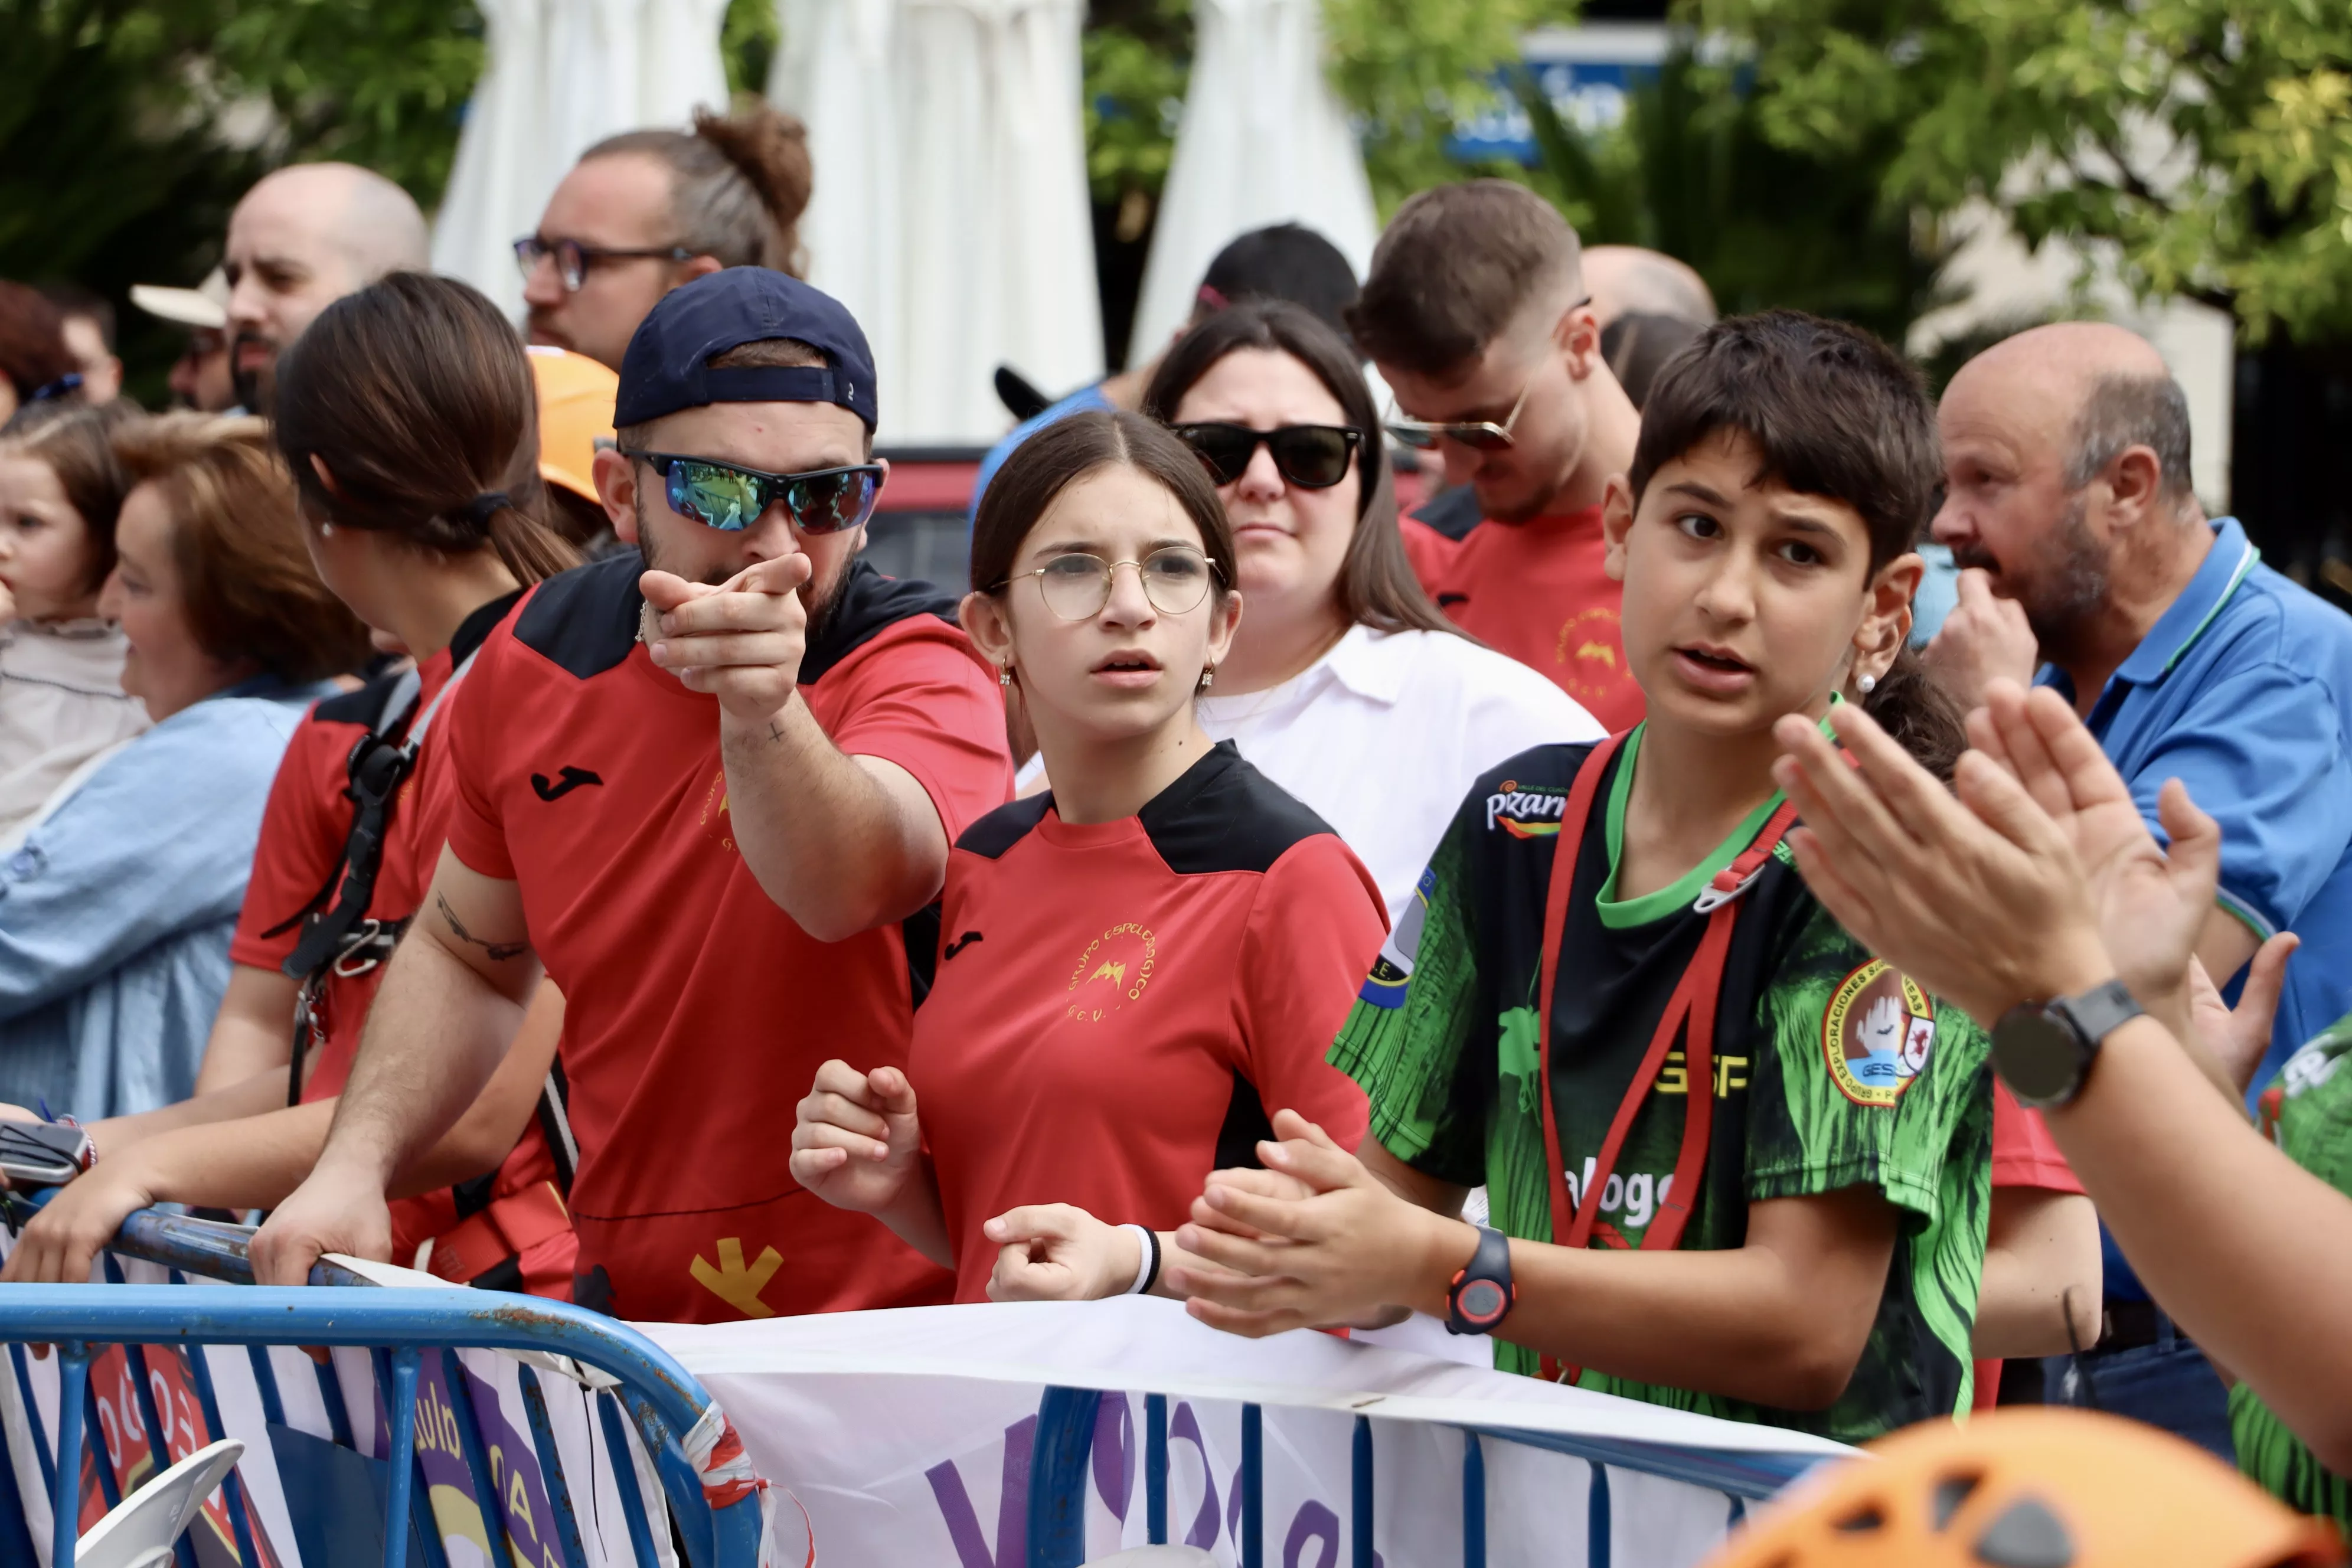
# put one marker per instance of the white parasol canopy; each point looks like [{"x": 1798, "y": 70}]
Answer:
[
  {"x": 951, "y": 211},
  {"x": 561, "y": 76},
  {"x": 1264, "y": 140}
]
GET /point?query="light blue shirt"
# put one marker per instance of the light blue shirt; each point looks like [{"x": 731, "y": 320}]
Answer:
[
  {"x": 1939, "y": 594},
  {"x": 1078, "y": 402},
  {"x": 116, "y": 912},
  {"x": 2242, "y": 691}
]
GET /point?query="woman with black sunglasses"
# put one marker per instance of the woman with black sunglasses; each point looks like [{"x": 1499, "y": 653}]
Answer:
[
  {"x": 1345, "y": 685},
  {"x": 1131, "y": 968}
]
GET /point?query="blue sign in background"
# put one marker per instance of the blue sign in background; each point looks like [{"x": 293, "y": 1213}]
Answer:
[{"x": 1586, "y": 72}]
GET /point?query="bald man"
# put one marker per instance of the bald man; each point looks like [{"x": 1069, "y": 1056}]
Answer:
[
  {"x": 299, "y": 240},
  {"x": 1628, "y": 281},
  {"x": 2085, "y": 552}
]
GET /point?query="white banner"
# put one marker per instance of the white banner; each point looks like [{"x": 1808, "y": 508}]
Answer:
[
  {"x": 909, "y": 1437},
  {"x": 923, "y": 1437}
]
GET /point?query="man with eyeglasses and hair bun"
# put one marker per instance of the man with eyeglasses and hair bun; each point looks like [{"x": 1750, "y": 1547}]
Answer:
[
  {"x": 649, "y": 211},
  {"x": 701, "y": 790},
  {"x": 1477, "y": 315}
]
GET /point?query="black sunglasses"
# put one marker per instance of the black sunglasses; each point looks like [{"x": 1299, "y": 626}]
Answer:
[
  {"x": 730, "y": 498},
  {"x": 1312, "y": 457}
]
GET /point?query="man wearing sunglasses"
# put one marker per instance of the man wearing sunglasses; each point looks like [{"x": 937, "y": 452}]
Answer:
[
  {"x": 1476, "y": 313},
  {"x": 703, "y": 790}
]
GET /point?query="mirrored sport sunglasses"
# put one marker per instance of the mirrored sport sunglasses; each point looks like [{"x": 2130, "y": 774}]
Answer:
[
  {"x": 1312, "y": 457},
  {"x": 724, "y": 496}
]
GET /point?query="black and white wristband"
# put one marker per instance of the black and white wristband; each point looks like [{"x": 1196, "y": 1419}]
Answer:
[{"x": 1147, "y": 1270}]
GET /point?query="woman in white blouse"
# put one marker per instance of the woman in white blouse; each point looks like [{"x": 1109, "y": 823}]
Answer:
[{"x": 1345, "y": 685}]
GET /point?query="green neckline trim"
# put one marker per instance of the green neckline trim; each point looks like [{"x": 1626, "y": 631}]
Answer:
[
  {"x": 1623, "y": 914},
  {"x": 2246, "y": 564}
]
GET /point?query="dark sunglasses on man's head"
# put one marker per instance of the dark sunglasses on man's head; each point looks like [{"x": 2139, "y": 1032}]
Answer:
[
  {"x": 731, "y": 498},
  {"x": 1312, "y": 457}
]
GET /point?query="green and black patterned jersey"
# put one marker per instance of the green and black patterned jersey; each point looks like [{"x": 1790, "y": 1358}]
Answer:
[
  {"x": 2308, "y": 1113},
  {"x": 1830, "y": 1072}
]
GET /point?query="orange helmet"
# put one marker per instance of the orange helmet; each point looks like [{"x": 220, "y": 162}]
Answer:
[{"x": 2031, "y": 1487}]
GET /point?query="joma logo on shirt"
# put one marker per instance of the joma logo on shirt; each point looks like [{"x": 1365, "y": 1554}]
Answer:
[
  {"x": 1114, "y": 970},
  {"x": 1525, "y": 813}
]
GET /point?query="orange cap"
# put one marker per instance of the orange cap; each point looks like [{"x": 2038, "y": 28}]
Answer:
[
  {"x": 2031, "y": 1488},
  {"x": 575, "y": 412}
]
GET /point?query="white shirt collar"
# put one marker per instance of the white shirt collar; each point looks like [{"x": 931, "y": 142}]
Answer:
[{"x": 1374, "y": 665}]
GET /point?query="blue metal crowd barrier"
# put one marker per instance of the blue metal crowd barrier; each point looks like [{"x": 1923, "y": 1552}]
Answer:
[{"x": 663, "y": 1401}]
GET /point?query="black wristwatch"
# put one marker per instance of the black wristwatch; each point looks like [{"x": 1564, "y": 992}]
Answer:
[
  {"x": 1481, "y": 1295},
  {"x": 2044, "y": 1052}
]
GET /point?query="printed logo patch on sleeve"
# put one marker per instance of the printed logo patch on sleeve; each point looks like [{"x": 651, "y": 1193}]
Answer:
[
  {"x": 1393, "y": 970},
  {"x": 1878, "y": 1033}
]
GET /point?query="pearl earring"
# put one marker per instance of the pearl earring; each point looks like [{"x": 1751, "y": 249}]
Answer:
[
  {"x": 326, "y": 530},
  {"x": 1868, "y": 683}
]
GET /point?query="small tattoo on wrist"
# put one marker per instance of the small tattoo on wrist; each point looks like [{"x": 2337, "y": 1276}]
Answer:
[{"x": 498, "y": 951}]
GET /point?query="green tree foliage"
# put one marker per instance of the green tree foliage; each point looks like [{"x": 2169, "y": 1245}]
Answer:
[
  {"x": 1691, "y": 172},
  {"x": 129, "y": 126},
  {"x": 2209, "y": 140},
  {"x": 1412, "y": 69},
  {"x": 1137, "y": 56}
]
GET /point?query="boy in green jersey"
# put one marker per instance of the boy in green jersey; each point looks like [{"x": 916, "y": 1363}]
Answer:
[{"x": 1735, "y": 1163}]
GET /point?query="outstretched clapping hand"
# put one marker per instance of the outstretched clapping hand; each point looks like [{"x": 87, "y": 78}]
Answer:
[
  {"x": 742, "y": 641},
  {"x": 857, "y": 1140},
  {"x": 1980, "y": 897}
]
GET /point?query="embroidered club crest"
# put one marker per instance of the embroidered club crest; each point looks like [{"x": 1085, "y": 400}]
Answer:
[{"x": 1878, "y": 1033}]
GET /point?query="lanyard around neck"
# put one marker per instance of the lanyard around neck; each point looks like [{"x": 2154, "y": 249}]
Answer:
[{"x": 1694, "y": 999}]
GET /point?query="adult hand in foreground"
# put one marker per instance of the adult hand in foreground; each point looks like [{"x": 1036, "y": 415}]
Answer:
[
  {"x": 1343, "y": 1255},
  {"x": 337, "y": 1209},
  {"x": 740, "y": 640},
  {"x": 2151, "y": 905},
  {"x": 1981, "y": 899},
  {"x": 1984, "y": 639}
]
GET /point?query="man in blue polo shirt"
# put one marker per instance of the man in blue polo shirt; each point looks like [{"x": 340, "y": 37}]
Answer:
[{"x": 2068, "y": 502}]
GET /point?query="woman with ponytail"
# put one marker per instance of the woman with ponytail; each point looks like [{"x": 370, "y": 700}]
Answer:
[{"x": 407, "y": 416}]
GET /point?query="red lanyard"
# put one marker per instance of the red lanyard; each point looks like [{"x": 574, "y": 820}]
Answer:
[{"x": 1694, "y": 999}]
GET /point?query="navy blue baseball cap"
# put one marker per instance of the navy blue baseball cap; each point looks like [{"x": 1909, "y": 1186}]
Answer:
[{"x": 667, "y": 366}]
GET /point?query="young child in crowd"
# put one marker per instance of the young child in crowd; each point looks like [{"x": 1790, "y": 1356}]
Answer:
[
  {"x": 1170, "y": 940},
  {"x": 62, "y": 696},
  {"x": 1736, "y": 1164}
]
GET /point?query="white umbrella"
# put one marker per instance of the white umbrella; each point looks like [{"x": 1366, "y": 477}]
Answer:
[
  {"x": 950, "y": 210},
  {"x": 1264, "y": 140},
  {"x": 560, "y": 76}
]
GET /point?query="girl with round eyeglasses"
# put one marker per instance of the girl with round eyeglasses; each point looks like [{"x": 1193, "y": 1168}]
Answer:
[{"x": 1131, "y": 967}]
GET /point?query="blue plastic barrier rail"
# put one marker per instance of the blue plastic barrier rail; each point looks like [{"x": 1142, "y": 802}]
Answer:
[
  {"x": 660, "y": 1400},
  {"x": 400, "y": 1328}
]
